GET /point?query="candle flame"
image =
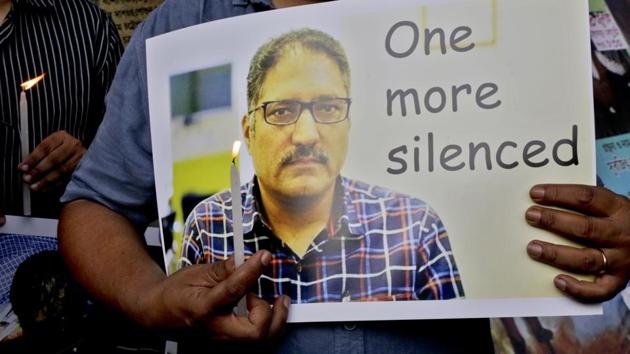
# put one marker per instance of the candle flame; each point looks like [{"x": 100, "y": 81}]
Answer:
[
  {"x": 235, "y": 148},
  {"x": 30, "y": 83}
]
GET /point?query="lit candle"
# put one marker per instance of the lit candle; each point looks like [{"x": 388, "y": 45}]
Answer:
[
  {"x": 237, "y": 220},
  {"x": 24, "y": 138}
]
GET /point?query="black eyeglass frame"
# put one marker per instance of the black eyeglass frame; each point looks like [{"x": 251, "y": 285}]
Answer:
[{"x": 303, "y": 105}]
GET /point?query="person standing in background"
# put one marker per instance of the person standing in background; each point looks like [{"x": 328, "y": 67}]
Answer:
[{"x": 75, "y": 45}]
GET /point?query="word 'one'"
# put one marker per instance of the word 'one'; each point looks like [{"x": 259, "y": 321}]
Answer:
[{"x": 456, "y": 37}]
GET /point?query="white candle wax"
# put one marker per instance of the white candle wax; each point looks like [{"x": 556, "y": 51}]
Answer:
[
  {"x": 24, "y": 139},
  {"x": 237, "y": 227},
  {"x": 237, "y": 216}
]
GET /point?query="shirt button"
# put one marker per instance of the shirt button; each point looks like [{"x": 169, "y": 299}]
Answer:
[
  {"x": 346, "y": 296},
  {"x": 350, "y": 326},
  {"x": 298, "y": 267}
]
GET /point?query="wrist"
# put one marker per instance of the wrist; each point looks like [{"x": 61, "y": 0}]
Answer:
[{"x": 146, "y": 306}]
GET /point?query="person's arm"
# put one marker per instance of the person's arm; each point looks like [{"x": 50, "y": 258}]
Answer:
[
  {"x": 107, "y": 256},
  {"x": 599, "y": 220}
]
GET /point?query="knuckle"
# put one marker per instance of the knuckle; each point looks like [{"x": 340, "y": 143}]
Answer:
[
  {"x": 551, "y": 193},
  {"x": 588, "y": 263},
  {"x": 586, "y": 196},
  {"x": 57, "y": 137},
  {"x": 550, "y": 254},
  {"x": 548, "y": 218},
  {"x": 216, "y": 272},
  {"x": 621, "y": 204},
  {"x": 55, "y": 160},
  {"x": 65, "y": 169},
  {"x": 256, "y": 333},
  {"x": 587, "y": 228},
  {"x": 234, "y": 290}
]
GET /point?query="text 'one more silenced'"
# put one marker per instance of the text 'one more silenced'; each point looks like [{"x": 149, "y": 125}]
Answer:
[{"x": 427, "y": 154}]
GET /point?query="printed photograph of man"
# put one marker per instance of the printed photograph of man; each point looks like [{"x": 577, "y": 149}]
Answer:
[{"x": 333, "y": 238}]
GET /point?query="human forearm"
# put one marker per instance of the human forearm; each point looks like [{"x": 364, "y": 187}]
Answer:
[{"x": 107, "y": 256}]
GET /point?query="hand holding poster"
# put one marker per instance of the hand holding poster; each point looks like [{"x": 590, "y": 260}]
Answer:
[{"x": 390, "y": 152}]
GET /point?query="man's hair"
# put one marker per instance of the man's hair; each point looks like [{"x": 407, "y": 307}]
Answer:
[{"x": 269, "y": 53}]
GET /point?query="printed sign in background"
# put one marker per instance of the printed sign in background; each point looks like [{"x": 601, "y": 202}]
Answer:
[
  {"x": 127, "y": 14},
  {"x": 613, "y": 163}
]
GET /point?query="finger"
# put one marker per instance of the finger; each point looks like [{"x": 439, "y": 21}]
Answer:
[
  {"x": 65, "y": 172},
  {"x": 234, "y": 287},
  {"x": 589, "y": 230},
  {"x": 219, "y": 271},
  {"x": 48, "y": 180},
  {"x": 602, "y": 289},
  {"x": 579, "y": 260},
  {"x": 586, "y": 199},
  {"x": 42, "y": 150},
  {"x": 259, "y": 315},
  {"x": 58, "y": 184},
  {"x": 232, "y": 327},
  {"x": 279, "y": 316},
  {"x": 252, "y": 328},
  {"x": 3, "y": 220},
  {"x": 50, "y": 162}
]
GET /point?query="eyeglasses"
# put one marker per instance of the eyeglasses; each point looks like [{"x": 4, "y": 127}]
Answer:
[{"x": 324, "y": 111}]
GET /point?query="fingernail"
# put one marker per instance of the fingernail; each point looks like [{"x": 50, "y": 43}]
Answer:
[
  {"x": 560, "y": 284},
  {"x": 533, "y": 215},
  {"x": 266, "y": 258},
  {"x": 286, "y": 301},
  {"x": 27, "y": 178},
  {"x": 24, "y": 168},
  {"x": 537, "y": 193},
  {"x": 534, "y": 250},
  {"x": 34, "y": 186}
]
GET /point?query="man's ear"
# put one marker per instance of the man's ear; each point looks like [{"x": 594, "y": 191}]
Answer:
[{"x": 246, "y": 130}]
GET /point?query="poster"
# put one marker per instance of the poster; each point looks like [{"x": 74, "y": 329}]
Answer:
[{"x": 428, "y": 131}]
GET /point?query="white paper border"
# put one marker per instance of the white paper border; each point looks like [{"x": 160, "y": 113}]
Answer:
[
  {"x": 22, "y": 225},
  {"x": 438, "y": 309}
]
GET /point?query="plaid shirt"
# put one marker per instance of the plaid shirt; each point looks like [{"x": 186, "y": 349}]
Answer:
[{"x": 379, "y": 245}]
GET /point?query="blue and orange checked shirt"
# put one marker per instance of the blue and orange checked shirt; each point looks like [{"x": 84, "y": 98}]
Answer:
[{"x": 379, "y": 246}]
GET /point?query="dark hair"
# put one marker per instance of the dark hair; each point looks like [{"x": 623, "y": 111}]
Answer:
[
  {"x": 49, "y": 304},
  {"x": 268, "y": 54}
]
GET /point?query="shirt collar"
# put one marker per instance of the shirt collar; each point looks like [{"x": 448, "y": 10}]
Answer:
[
  {"x": 344, "y": 213},
  {"x": 6, "y": 27}
]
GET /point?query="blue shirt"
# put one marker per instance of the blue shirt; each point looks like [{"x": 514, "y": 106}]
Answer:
[
  {"x": 378, "y": 246},
  {"x": 117, "y": 172}
]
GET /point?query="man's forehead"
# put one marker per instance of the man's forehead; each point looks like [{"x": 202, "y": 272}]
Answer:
[{"x": 303, "y": 64}]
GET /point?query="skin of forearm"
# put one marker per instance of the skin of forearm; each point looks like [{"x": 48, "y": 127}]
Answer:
[{"x": 107, "y": 256}]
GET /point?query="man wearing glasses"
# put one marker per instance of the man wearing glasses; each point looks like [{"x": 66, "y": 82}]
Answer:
[{"x": 332, "y": 238}]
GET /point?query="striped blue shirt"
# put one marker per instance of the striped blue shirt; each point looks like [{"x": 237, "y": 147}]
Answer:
[{"x": 77, "y": 46}]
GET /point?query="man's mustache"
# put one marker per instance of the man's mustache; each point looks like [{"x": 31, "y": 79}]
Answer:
[{"x": 305, "y": 152}]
